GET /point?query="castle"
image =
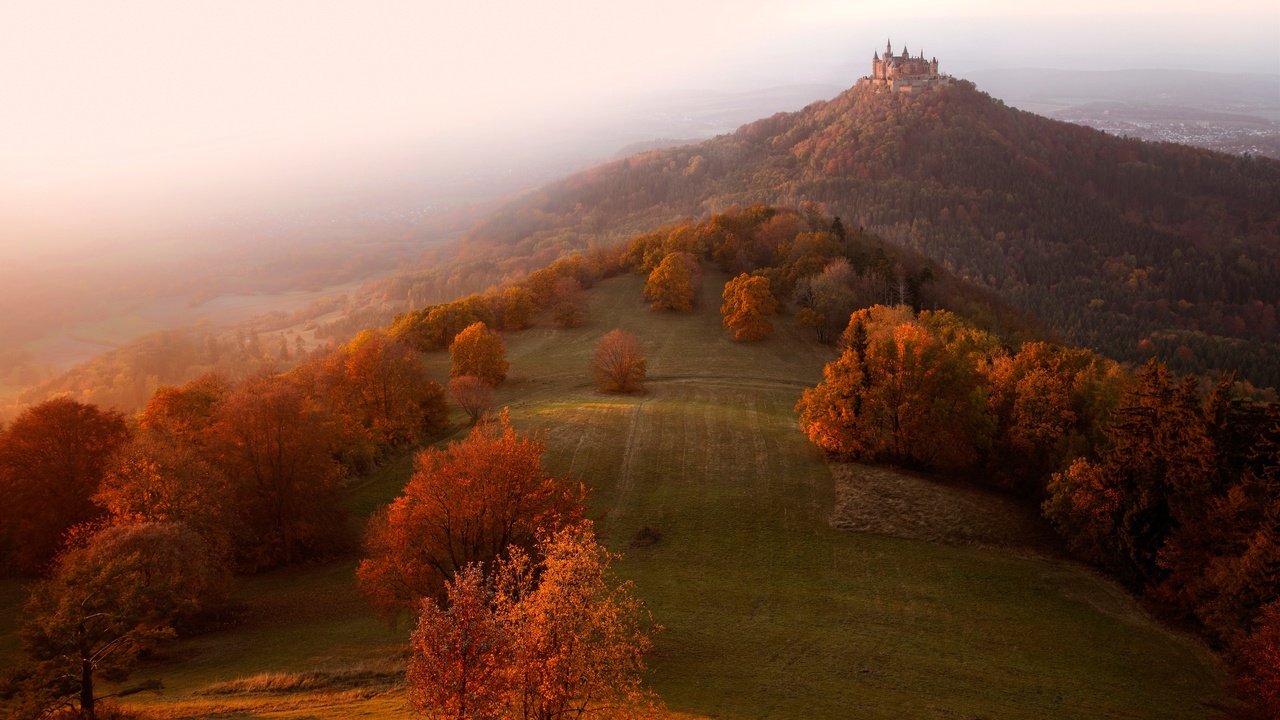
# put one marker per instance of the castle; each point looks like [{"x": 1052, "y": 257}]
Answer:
[{"x": 903, "y": 73}]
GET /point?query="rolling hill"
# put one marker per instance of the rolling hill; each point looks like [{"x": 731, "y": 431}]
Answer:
[
  {"x": 770, "y": 609},
  {"x": 1130, "y": 248}
]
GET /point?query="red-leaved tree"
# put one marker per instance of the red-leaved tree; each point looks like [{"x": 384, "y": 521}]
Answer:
[{"x": 470, "y": 502}]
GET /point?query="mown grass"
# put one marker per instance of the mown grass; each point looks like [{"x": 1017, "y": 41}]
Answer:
[{"x": 769, "y": 612}]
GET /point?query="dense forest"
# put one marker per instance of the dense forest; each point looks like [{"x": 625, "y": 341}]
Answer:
[{"x": 1133, "y": 249}]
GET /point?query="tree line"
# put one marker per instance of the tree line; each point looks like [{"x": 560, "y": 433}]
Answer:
[
  {"x": 1170, "y": 484},
  {"x": 133, "y": 526}
]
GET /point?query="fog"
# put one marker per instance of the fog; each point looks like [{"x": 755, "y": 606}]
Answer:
[{"x": 133, "y": 119}]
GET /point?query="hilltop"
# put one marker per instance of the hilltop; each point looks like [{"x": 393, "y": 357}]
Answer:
[{"x": 1128, "y": 247}]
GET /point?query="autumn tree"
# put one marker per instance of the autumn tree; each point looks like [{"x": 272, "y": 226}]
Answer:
[
  {"x": 554, "y": 635},
  {"x": 1259, "y": 658},
  {"x": 825, "y": 300},
  {"x": 1121, "y": 509},
  {"x": 569, "y": 308},
  {"x": 153, "y": 479},
  {"x": 461, "y": 653},
  {"x": 276, "y": 446},
  {"x": 517, "y": 308},
  {"x": 52, "y": 458},
  {"x": 619, "y": 363},
  {"x": 904, "y": 389},
  {"x": 479, "y": 352},
  {"x": 748, "y": 304},
  {"x": 382, "y": 386},
  {"x": 1051, "y": 404},
  {"x": 184, "y": 413},
  {"x": 469, "y": 502},
  {"x": 473, "y": 395},
  {"x": 673, "y": 284},
  {"x": 433, "y": 328},
  {"x": 110, "y": 601}
]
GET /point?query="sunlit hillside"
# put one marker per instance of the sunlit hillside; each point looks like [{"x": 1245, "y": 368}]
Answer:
[{"x": 768, "y": 610}]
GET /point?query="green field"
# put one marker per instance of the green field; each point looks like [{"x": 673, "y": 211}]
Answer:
[{"x": 769, "y": 611}]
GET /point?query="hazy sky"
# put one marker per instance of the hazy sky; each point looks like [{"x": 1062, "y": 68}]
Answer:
[{"x": 128, "y": 108}]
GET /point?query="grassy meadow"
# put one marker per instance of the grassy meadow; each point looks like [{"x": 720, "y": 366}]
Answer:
[{"x": 768, "y": 610}]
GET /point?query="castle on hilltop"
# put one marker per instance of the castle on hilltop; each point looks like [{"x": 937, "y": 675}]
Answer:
[{"x": 903, "y": 73}]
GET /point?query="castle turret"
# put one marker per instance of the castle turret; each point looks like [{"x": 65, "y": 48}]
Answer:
[{"x": 904, "y": 72}]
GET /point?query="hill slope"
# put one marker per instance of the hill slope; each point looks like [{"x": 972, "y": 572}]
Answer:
[
  {"x": 1127, "y": 247},
  {"x": 770, "y": 612}
]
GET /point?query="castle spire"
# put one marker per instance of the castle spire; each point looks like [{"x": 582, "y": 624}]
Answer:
[{"x": 888, "y": 49}]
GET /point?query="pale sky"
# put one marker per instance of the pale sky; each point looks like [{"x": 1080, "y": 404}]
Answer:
[{"x": 115, "y": 109}]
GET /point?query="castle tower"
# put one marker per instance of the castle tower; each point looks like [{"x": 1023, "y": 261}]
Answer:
[{"x": 904, "y": 72}]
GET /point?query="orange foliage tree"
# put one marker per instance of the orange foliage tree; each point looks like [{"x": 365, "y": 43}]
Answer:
[
  {"x": 553, "y": 637},
  {"x": 1122, "y": 509},
  {"x": 904, "y": 389},
  {"x": 52, "y": 458},
  {"x": 673, "y": 284},
  {"x": 276, "y": 446},
  {"x": 473, "y": 395},
  {"x": 183, "y": 414},
  {"x": 479, "y": 352},
  {"x": 748, "y": 304},
  {"x": 470, "y": 502},
  {"x": 460, "y": 666},
  {"x": 382, "y": 387},
  {"x": 619, "y": 364},
  {"x": 153, "y": 479},
  {"x": 1050, "y": 404}
]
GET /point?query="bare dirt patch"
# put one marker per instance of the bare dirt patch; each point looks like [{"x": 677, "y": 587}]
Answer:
[{"x": 888, "y": 501}]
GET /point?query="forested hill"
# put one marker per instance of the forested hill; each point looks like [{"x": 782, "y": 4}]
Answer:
[{"x": 1129, "y": 247}]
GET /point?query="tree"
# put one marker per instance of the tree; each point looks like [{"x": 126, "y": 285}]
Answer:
[
  {"x": 277, "y": 448},
  {"x": 473, "y": 395},
  {"x": 1259, "y": 656},
  {"x": 619, "y": 364},
  {"x": 748, "y": 304},
  {"x": 152, "y": 479},
  {"x": 52, "y": 458},
  {"x": 460, "y": 663},
  {"x": 517, "y": 308},
  {"x": 382, "y": 386},
  {"x": 1121, "y": 510},
  {"x": 469, "y": 502},
  {"x": 673, "y": 284},
  {"x": 554, "y": 635},
  {"x": 904, "y": 389},
  {"x": 111, "y": 600},
  {"x": 568, "y": 306},
  {"x": 185, "y": 413},
  {"x": 479, "y": 352},
  {"x": 1050, "y": 404}
]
